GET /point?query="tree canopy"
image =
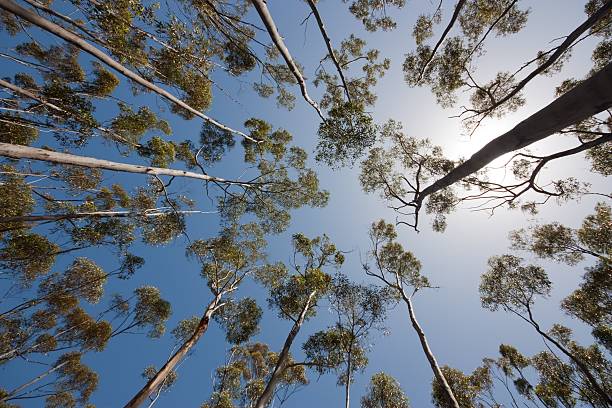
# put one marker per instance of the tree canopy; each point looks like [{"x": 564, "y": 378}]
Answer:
[{"x": 225, "y": 203}]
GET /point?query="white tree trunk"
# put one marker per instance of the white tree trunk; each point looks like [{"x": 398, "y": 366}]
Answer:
[{"x": 33, "y": 153}]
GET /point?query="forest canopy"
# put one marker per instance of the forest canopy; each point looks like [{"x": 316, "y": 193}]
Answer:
[{"x": 252, "y": 203}]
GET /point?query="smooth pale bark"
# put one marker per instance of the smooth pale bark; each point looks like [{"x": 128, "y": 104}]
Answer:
[
  {"x": 428, "y": 353},
  {"x": 36, "y": 379},
  {"x": 33, "y": 153},
  {"x": 95, "y": 214},
  {"x": 29, "y": 16},
  {"x": 347, "y": 387},
  {"x": 266, "y": 18},
  {"x": 283, "y": 357},
  {"x": 588, "y": 98},
  {"x": 30, "y": 95},
  {"x": 330, "y": 49},
  {"x": 157, "y": 381}
]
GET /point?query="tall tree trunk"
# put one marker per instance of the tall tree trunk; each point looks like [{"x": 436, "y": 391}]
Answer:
[
  {"x": 33, "y": 153},
  {"x": 157, "y": 381},
  {"x": 330, "y": 48},
  {"x": 588, "y": 98},
  {"x": 428, "y": 353},
  {"x": 283, "y": 358},
  {"x": 49, "y": 26},
  {"x": 266, "y": 18},
  {"x": 347, "y": 387},
  {"x": 94, "y": 214}
]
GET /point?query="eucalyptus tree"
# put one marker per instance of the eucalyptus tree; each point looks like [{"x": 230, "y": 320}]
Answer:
[
  {"x": 470, "y": 390},
  {"x": 399, "y": 270},
  {"x": 53, "y": 192},
  {"x": 57, "y": 323},
  {"x": 411, "y": 182},
  {"x": 511, "y": 285},
  {"x": 296, "y": 293},
  {"x": 591, "y": 302},
  {"x": 343, "y": 347},
  {"x": 384, "y": 392},
  {"x": 346, "y": 129},
  {"x": 544, "y": 379},
  {"x": 240, "y": 381},
  {"x": 226, "y": 261}
]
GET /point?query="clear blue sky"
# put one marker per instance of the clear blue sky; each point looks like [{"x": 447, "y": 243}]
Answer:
[{"x": 459, "y": 331}]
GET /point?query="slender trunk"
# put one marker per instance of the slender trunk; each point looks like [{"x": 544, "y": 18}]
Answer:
[
  {"x": 347, "y": 387},
  {"x": 450, "y": 24},
  {"x": 33, "y": 153},
  {"x": 588, "y": 98},
  {"x": 583, "y": 368},
  {"x": 49, "y": 26},
  {"x": 93, "y": 214},
  {"x": 159, "y": 378},
  {"x": 36, "y": 379},
  {"x": 266, "y": 18},
  {"x": 428, "y": 353},
  {"x": 283, "y": 357},
  {"x": 330, "y": 49}
]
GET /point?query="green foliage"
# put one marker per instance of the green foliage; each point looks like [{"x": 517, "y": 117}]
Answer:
[
  {"x": 591, "y": 302},
  {"x": 282, "y": 180},
  {"x": 564, "y": 244},
  {"x": 395, "y": 266},
  {"x": 466, "y": 388},
  {"x": 511, "y": 285},
  {"x": 11, "y": 131},
  {"x": 83, "y": 279},
  {"x": 27, "y": 256},
  {"x": 330, "y": 349},
  {"x": 345, "y": 135},
  {"x": 242, "y": 379},
  {"x": 15, "y": 195},
  {"x": 239, "y": 319},
  {"x": 76, "y": 377},
  {"x": 384, "y": 391},
  {"x": 151, "y": 310},
  {"x": 373, "y": 13},
  {"x": 103, "y": 83},
  {"x": 343, "y": 347},
  {"x": 359, "y": 88},
  {"x": 451, "y": 67},
  {"x": 131, "y": 126},
  {"x": 298, "y": 292},
  {"x": 477, "y": 15},
  {"x": 230, "y": 257}
]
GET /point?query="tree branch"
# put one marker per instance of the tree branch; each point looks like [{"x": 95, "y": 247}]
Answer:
[
  {"x": 27, "y": 15},
  {"x": 266, "y": 18},
  {"x": 583, "y": 101}
]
